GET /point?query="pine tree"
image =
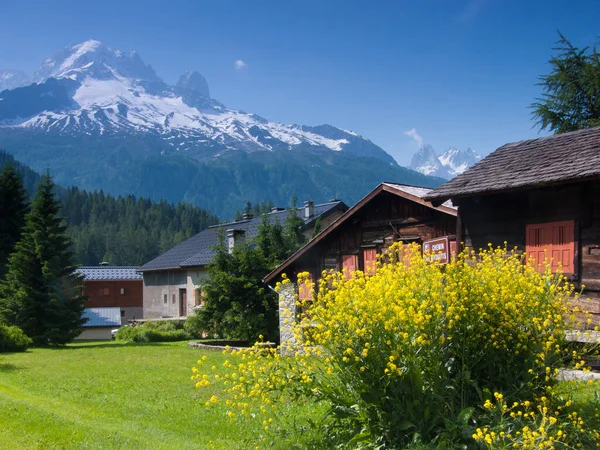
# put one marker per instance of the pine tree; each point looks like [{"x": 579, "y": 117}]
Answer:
[
  {"x": 236, "y": 303},
  {"x": 13, "y": 207},
  {"x": 292, "y": 229},
  {"x": 41, "y": 293},
  {"x": 571, "y": 91}
]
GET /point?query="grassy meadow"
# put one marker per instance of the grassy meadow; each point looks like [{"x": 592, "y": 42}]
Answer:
[{"x": 112, "y": 395}]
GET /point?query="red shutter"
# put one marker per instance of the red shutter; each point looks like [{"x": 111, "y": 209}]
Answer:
[
  {"x": 563, "y": 246},
  {"x": 349, "y": 265},
  {"x": 452, "y": 249},
  {"x": 304, "y": 289},
  {"x": 370, "y": 260},
  {"x": 536, "y": 244},
  {"x": 554, "y": 241}
]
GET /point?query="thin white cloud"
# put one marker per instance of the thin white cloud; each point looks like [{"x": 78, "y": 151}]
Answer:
[
  {"x": 412, "y": 133},
  {"x": 239, "y": 65}
]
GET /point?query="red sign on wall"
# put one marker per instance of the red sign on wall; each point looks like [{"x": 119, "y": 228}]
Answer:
[{"x": 436, "y": 250}]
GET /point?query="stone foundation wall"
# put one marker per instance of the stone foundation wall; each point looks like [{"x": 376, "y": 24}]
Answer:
[{"x": 287, "y": 316}]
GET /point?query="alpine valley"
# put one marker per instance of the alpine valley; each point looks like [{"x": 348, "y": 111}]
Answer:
[{"x": 100, "y": 118}]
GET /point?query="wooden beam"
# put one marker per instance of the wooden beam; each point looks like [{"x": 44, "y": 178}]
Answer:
[{"x": 459, "y": 233}]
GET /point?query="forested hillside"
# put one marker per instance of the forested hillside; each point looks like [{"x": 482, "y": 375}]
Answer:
[{"x": 120, "y": 230}]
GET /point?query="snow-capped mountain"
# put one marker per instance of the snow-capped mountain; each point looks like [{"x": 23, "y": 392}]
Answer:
[
  {"x": 457, "y": 161},
  {"x": 427, "y": 162},
  {"x": 91, "y": 88},
  {"x": 100, "y": 118},
  {"x": 451, "y": 163},
  {"x": 93, "y": 58},
  {"x": 11, "y": 79}
]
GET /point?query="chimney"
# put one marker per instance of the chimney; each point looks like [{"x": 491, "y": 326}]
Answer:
[
  {"x": 234, "y": 237},
  {"x": 275, "y": 209},
  {"x": 309, "y": 209}
]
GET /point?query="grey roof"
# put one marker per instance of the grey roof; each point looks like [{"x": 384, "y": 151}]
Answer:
[
  {"x": 199, "y": 249},
  {"x": 417, "y": 191},
  {"x": 97, "y": 273},
  {"x": 538, "y": 162},
  {"x": 102, "y": 317}
]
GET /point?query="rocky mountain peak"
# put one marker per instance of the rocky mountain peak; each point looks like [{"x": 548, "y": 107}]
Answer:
[
  {"x": 451, "y": 163},
  {"x": 11, "y": 79},
  {"x": 194, "y": 81}
]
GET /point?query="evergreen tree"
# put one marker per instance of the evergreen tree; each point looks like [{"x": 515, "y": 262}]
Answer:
[
  {"x": 236, "y": 303},
  {"x": 271, "y": 241},
  {"x": 292, "y": 229},
  {"x": 13, "y": 207},
  {"x": 41, "y": 293},
  {"x": 571, "y": 91}
]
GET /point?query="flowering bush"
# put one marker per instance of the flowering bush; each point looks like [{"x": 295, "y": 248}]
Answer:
[{"x": 415, "y": 353}]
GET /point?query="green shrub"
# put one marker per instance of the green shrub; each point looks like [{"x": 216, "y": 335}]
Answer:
[
  {"x": 12, "y": 339},
  {"x": 154, "y": 331},
  {"x": 193, "y": 325}
]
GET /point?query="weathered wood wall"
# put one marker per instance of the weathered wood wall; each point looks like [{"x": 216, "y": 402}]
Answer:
[
  {"x": 499, "y": 218},
  {"x": 386, "y": 219}
]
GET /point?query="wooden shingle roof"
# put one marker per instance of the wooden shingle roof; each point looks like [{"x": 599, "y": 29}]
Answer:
[{"x": 545, "y": 161}]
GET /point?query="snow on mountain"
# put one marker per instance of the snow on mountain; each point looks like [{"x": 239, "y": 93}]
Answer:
[
  {"x": 74, "y": 61},
  {"x": 427, "y": 162},
  {"x": 451, "y": 163},
  {"x": 12, "y": 79},
  {"x": 457, "y": 161},
  {"x": 91, "y": 88}
]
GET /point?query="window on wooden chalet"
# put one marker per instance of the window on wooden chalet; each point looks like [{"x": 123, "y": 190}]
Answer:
[
  {"x": 105, "y": 291},
  {"x": 553, "y": 242},
  {"x": 370, "y": 261},
  {"x": 399, "y": 254},
  {"x": 349, "y": 265},
  {"x": 305, "y": 289}
]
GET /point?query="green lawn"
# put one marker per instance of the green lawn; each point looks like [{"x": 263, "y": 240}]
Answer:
[{"x": 111, "y": 395}]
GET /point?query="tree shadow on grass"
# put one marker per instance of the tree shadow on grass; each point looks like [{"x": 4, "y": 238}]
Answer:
[
  {"x": 78, "y": 345},
  {"x": 8, "y": 367},
  {"x": 84, "y": 345}
]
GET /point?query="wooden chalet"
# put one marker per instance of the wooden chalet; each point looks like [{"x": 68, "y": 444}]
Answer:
[
  {"x": 390, "y": 213},
  {"x": 541, "y": 196}
]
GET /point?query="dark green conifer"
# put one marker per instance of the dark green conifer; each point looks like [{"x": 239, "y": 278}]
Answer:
[
  {"x": 13, "y": 207},
  {"x": 41, "y": 293}
]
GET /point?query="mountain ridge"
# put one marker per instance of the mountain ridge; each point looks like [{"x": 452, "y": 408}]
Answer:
[
  {"x": 447, "y": 165},
  {"x": 99, "y": 118}
]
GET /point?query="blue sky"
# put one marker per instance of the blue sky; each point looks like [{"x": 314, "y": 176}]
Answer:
[{"x": 461, "y": 73}]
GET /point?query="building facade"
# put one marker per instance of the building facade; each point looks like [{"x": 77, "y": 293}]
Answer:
[
  {"x": 172, "y": 282},
  {"x": 114, "y": 286}
]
